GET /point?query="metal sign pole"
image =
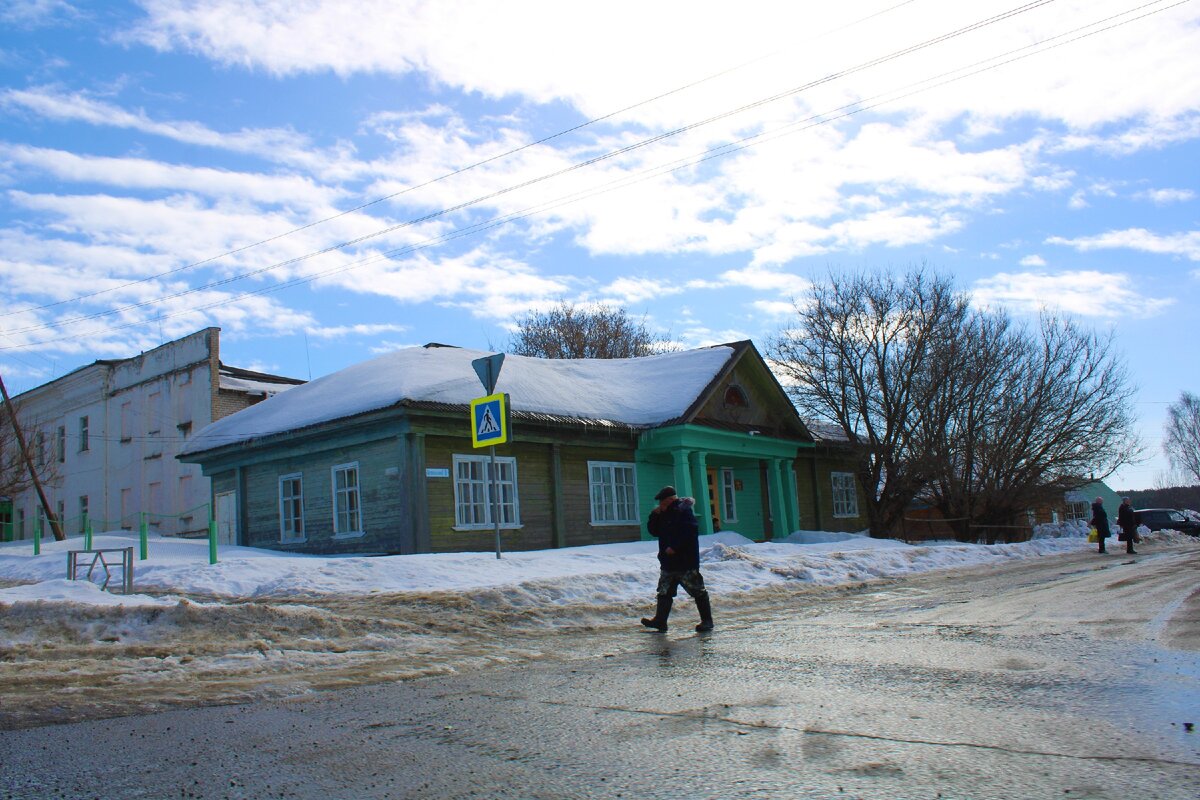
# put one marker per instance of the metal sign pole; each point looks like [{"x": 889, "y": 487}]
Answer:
[{"x": 495, "y": 499}]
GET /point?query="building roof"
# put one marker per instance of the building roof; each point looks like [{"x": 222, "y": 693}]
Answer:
[
  {"x": 236, "y": 379},
  {"x": 638, "y": 392}
]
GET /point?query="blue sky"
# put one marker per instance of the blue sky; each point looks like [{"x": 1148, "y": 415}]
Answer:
[{"x": 327, "y": 181}]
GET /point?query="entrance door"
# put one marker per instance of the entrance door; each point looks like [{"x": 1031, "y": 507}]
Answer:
[
  {"x": 227, "y": 518},
  {"x": 714, "y": 502}
]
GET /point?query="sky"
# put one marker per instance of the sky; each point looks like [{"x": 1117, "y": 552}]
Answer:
[{"x": 328, "y": 182}]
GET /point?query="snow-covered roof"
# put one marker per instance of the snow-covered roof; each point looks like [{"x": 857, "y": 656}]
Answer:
[
  {"x": 267, "y": 388},
  {"x": 641, "y": 392}
]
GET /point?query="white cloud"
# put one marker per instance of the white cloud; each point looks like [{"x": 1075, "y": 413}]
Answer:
[
  {"x": 343, "y": 331},
  {"x": 1032, "y": 261},
  {"x": 1087, "y": 293},
  {"x": 137, "y": 173},
  {"x": 272, "y": 144},
  {"x": 1186, "y": 244},
  {"x": 1164, "y": 197}
]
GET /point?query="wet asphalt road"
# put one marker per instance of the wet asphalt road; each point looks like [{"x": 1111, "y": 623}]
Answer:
[{"x": 977, "y": 685}]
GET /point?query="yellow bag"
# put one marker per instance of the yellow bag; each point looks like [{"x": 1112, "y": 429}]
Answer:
[{"x": 1093, "y": 535}]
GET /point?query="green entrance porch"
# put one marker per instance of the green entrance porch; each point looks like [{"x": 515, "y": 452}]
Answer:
[{"x": 743, "y": 481}]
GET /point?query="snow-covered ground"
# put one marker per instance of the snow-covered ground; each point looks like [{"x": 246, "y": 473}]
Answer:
[
  {"x": 262, "y": 624},
  {"x": 597, "y": 574}
]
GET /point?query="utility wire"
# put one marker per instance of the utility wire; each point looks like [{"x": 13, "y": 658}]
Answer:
[
  {"x": 451, "y": 174},
  {"x": 729, "y": 148},
  {"x": 551, "y": 175}
]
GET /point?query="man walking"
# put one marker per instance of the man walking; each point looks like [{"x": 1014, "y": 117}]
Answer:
[{"x": 674, "y": 524}]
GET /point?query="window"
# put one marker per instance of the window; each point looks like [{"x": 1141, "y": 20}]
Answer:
[
  {"x": 728, "y": 500},
  {"x": 1081, "y": 510},
  {"x": 736, "y": 398},
  {"x": 60, "y": 515},
  {"x": 347, "y": 519},
  {"x": 185, "y": 429},
  {"x": 127, "y": 517},
  {"x": 473, "y": 492},
  {"x": 83, "y": 434},
  {"x": 291, "y": 508},
  {"x": 614, "y": 493},
  {"x": 126, "y": 421},
  {"x": 845, "y": 498},
  {"x": 19, "y": 533},
  {"x": 60, "y": 444},
  {"x": 154, "y": 496},
  {"x": 41, "y": 448},
  {"x": 152, "y": 408},
  {"x": 83, "y": 513}
]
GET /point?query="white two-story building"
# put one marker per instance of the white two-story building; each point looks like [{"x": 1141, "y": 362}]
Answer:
[{"x": 105, "y": 438}]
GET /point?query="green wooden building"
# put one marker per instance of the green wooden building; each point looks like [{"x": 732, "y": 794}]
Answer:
[{"x": 378, "y": 458}]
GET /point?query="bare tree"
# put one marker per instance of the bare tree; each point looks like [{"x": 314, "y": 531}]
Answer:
[
  {"x": 870, "y": 354},
  {"x": 571, "y": 331},
  {"x": 1051, "y": 407},
  {"x": 982, "y": 418},
  {"x": 1181, "y": 439}
]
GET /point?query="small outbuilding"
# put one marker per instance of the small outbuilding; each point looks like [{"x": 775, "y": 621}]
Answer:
[{"x": 379, "y": 458}]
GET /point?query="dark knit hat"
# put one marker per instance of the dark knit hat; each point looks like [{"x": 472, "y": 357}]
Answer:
[{"x": 666, "y": 491}]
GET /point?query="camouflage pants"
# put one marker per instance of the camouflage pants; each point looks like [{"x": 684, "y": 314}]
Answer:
[{"x": 691, "y": 581}]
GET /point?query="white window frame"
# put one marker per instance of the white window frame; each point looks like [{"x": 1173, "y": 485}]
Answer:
[
  {"x": 728, "y": 498},
  {"x": 1081, "y": 510},
  {"x": 606, "y": 493},
  {"x": 845, "y": 495},
  {"x": 288, "y": 532},
  {"x": 354, "y": 510},
  {"x": 84, "y": 444},
  {"x": 473, "y": 493}
]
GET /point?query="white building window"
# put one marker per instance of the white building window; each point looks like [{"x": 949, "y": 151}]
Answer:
[
  {"x": 83, "y": 434},
  {"x": 728, "y": 498},
  {"x": 613, "y": 488},
  {"x": 60, "y": 444},
  {"x": 845, "y": 498},
  {"x": 1081, "y": 510},
  {"x": 291, "y": 508},
  {"x": 473, "y": 492},
  {"x": 347, "y": 513},
  {"x": 126, "y": 421}
]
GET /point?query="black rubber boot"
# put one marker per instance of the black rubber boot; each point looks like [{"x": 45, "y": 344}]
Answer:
[
  {"x": 659, "y": 620},
  {"x": 704, "y": 606}
]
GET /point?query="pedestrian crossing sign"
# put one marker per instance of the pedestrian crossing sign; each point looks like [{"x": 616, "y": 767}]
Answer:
[{"x": 489, "y": 420}]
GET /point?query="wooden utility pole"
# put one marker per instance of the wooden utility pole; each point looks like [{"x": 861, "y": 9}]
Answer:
[{"x": 37, "y": 481}]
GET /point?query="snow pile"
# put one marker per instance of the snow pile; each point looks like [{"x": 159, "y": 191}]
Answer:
[{"x": 595, "y": 574}]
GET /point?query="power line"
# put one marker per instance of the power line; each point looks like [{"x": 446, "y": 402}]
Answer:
[
  {"x": 721, "y": 151},
  {"x": 451, "y": 174},
  {"x": 727, "y": 149},
  {"x": 551, "y": 175}
]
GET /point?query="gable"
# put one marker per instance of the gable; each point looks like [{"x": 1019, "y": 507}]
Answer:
[{"x": 748, "y": 397}]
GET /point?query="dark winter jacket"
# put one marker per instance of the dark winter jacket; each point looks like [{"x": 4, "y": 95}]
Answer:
[
  {"x": 676, "y": 529},
  {"x": 1126, "y": 520},
  {"x": 1100, "y": 520}
]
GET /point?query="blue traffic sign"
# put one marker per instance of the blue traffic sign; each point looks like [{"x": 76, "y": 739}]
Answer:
[{"x": 489, "y": 420}]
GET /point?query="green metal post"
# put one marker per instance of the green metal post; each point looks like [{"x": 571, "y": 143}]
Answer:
[
  {"x": 143, "y": 535},
  {"x": 87, "y": 535},
  {"x": 37, "y": 536},
  {"x": 212, "y": 540}
]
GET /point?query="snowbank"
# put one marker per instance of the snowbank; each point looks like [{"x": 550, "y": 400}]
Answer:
[{"x": 595, "y": 574}]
